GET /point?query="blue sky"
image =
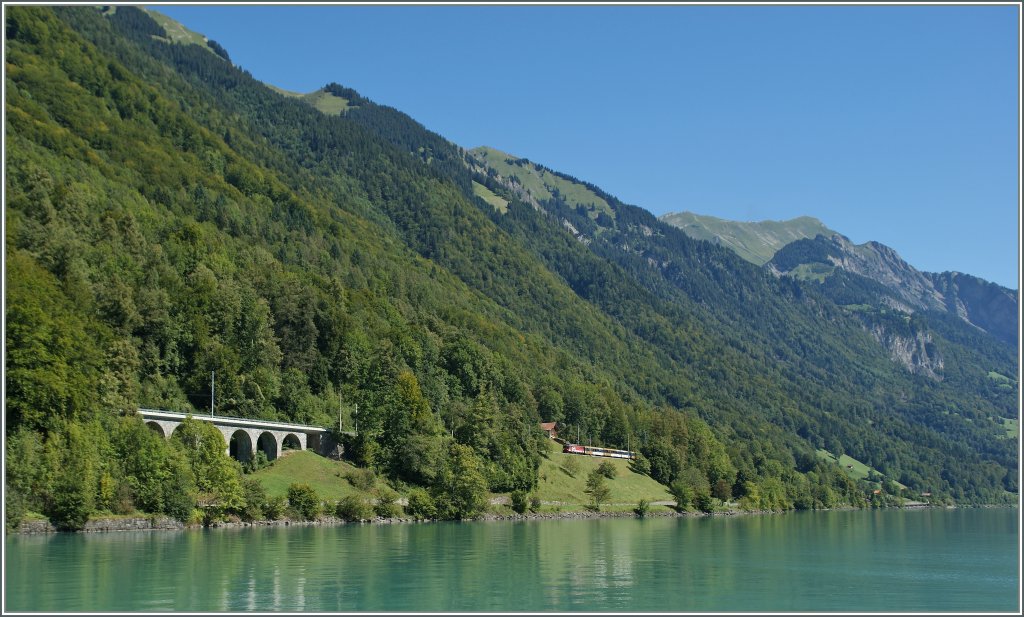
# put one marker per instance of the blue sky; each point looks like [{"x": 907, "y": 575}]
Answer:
[{"x": 890, "y": 123}]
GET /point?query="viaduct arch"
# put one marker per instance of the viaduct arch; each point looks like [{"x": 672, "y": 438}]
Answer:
[{"x": 244, "y": 437}]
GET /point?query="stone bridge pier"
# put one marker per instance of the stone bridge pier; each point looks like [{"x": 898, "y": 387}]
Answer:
[
  {"x": 245, "y": 437},
  {"x": 244, "y": 443}
]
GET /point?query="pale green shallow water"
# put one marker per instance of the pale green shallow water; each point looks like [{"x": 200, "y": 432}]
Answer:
[{"x": 887, "y": 561}]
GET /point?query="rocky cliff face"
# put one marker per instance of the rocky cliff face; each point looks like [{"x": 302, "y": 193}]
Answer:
[
  {"x": 986, "y": 305},
  {"x": 916, "y": 352},
  {"x": 900, "y": 286},
  {"x": 910, "y": 288}
]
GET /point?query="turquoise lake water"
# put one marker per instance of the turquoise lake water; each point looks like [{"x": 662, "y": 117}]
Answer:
[{"x": 963, "y": 560}]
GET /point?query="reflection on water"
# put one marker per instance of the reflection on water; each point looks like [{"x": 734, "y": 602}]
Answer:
[{"x": 931, "y": 560}]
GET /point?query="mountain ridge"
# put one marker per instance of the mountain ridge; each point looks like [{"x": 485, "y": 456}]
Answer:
[{"x": 988, "y": 306}]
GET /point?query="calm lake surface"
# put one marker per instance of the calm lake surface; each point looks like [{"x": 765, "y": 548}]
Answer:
[{"x": 917, "y": 560}]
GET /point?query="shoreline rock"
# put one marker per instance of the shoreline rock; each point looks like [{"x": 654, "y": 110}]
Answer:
[
  {"x": 166, "y": 523},
  {"x": 97, "y": 525}
]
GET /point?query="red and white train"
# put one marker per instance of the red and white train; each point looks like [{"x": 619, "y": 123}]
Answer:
[{"x": 572, "y": 448}]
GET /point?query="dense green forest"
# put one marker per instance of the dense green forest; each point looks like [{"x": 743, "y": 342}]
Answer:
[{"x": 167, "y": 216}]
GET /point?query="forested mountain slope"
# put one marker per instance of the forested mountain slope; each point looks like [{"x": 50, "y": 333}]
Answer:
[
  {"x": 812, "y": 351},
  {"x": 168, "y": 216}
]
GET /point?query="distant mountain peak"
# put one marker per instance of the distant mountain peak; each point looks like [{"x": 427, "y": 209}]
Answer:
[
  {"x": 755, "y": 241},
  {"x": 805, "y": 248}
]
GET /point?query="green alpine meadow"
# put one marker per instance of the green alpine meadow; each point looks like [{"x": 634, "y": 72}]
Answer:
[{"x": 333, "y": 263}]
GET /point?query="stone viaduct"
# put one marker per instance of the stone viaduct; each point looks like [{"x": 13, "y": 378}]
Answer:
[{"x": 243, "y": 437}]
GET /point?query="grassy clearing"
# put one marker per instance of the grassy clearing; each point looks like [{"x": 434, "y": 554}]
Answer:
[
  {"x": 853, "y": 468},
  {"x": 999, "y": 377},
  {"x": 177, "y": 32},
  {"x": 288, "y": 93},
  {"x": 1002, "y": 381},
  {"x": 557, "y": 489},
  {"x": 487, "y": 195},
  {"x": 527, "y": 175},
  {"x": 326, "y": 476},
  {"x": 817, "y": 272},
  {"x": 541, "y": 183},
  {"x": 1012, "y": 427},
  {"x": 327, "y": 103}
]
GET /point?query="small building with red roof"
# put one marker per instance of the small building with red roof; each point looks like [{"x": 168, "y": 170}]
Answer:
[{"x": 551, "y": 428}]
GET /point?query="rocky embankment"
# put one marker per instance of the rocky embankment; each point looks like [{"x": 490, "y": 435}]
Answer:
[
  {"x": 144, "y": 523},
  {"x": 137, "y": 523}
]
